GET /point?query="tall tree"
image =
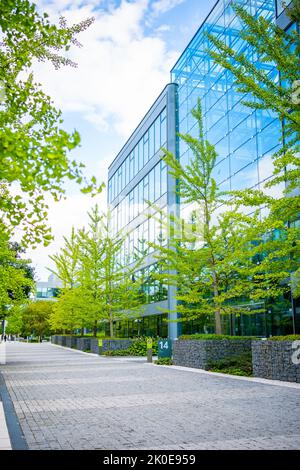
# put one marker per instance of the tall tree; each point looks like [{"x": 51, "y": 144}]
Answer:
[
  {"x": 15, "y": 322},
  {"x": 67, "y": 261},
  {"x": 198, "y": 258},
  {"x": 34, "y": 147},
  {"x": 97, "y": 286},
  {"x": 108, "y": 286},
  {"x": 69, "y": 311},
  {"x": 35, "y": 318},
  {"x": 15, "y": 283},
  {"x": 66, "y": 312}
]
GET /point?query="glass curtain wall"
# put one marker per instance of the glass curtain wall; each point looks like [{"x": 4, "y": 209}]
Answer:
[
  {"x": 245, "y": 139},
  {"x": 153, "y": 139}
]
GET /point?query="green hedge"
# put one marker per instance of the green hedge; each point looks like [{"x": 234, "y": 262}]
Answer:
[
  {"x": 284, "y": 338},
  {"x": 90, "y": 335},
  {"x": 214, "y": 337}
]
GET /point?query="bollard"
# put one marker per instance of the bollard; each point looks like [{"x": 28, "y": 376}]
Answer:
[{"x": 149, "y": 349}]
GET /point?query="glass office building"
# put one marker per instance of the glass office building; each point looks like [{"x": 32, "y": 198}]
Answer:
[
  {"x": 245, "y": 140},
  {"x": 136, "y": 176}
]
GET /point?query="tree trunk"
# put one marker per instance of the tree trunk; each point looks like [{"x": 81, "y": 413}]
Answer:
[
  {"x": 82, "y": 331},
  {"x": 218, "y": 324},
  {"x": 111, "y": 327},
  {"x": 95, "y": 329}
]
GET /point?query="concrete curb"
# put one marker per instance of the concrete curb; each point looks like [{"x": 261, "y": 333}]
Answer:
[
  {"x": 279, "y": 383},
  {"x": 132, "y": 358},
  {"x": 5, "y": 443},
  {"x": 75, "y": 350},
  {"x": 17, "y": 438}
]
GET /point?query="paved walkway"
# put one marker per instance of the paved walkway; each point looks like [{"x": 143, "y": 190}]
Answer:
[{"x": 70, "y": 400}]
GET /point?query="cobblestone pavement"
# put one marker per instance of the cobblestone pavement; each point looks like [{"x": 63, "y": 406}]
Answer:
[{"x": 70, "y": 400}]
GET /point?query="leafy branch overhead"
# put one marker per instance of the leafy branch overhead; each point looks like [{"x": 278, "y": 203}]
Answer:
[{"x": 33, "y": 145}]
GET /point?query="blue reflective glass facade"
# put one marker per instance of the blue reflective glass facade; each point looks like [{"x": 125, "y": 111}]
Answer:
[
  {"x": 149, "y": 144},
  {"x": 245, "y": 140}
]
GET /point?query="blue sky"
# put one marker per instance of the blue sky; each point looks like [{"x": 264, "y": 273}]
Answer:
[{"x": 123, "y": 65}]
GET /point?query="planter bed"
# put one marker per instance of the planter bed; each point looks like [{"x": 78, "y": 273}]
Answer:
[
  {"x": 54, "y": 339},
  {"x": 199, "y": 353},
  {"x": 59, "y": 340},
  {"x": 273, "y": 360},
  {"x": 83, "y": 344},
  {"x": 71, "y": 341},
  {"x": 94, "y": 345},
  {"x": 114, "y": 345}
]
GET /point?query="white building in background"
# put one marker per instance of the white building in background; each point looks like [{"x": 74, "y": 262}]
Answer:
[{"x": 47, "y": 290}]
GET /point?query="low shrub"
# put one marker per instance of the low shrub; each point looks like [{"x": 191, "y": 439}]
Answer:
[
  {"x": 117, "y": 352},
  {"x": 284, "y": 338},
  {"x": 164, "y": 361},
  {"x": 235, "y": 365},
  {"x": 137, "y": 348},
  {"x": 208, "y": 337}
]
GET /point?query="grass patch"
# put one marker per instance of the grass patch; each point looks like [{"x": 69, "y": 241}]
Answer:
[{"x": 164, "y": 361}]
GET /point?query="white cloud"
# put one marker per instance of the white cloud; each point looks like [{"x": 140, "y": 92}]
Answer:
[
  {"x": 161, "y": 6},
  {"x": 163, "y": 28},
  {"x": 120, "y": 70}
]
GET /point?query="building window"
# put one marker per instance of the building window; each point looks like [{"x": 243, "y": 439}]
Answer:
[
  {"x": 146, "y": 148},
  {"x": 280, "y": 7},
  {"x": 163, "y": 128},
  {"x": 157, "y": 134},
  {"x": 163, "y": 177}
]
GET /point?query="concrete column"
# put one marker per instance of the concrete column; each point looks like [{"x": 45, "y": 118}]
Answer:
[{"x": 173, "y": 201}]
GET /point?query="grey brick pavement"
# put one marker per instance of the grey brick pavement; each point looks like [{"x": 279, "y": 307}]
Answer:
[{"x": 68, "y": 400}]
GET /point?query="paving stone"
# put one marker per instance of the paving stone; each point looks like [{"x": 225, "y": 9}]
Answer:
[{"x": 68, "y": 400}]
